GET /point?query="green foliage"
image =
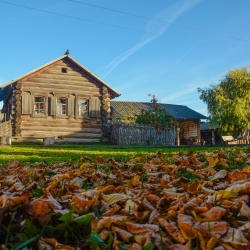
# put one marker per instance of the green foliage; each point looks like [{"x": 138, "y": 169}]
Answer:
[
  {"x": 97, "y": 243},
  {"x": 191, "y": 178},
  {"x": 30, "y": 229},
  {"x": 71, "y": 226},
  {"x": 149, "y": 246},
  {"x": 38, "y": 192},
  {"x": 228, "y": 102},
  {"x": 157, "y": 117}
]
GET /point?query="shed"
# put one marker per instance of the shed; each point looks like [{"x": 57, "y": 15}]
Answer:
[{"x": 188, "y": 119}]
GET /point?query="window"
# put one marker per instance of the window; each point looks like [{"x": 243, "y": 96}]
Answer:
[
  {"x": 64, "y": 70},
  {"x": 61, "y": 106},
  {"x": 82, "y": 107},
  {"x": 39, "y": 105}
]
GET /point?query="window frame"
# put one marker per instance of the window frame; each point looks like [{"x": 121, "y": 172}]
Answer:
[
  {"x": 86, "y": 108},
  {"x": 62, "y": 104},
  {"x": 44, "y": 105}
]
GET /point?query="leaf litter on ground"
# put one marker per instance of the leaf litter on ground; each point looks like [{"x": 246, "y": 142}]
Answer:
[{"x": 193, "y": 200}]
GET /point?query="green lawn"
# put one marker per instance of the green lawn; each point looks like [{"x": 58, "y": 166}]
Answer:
[{"x": 35, "y": 152}]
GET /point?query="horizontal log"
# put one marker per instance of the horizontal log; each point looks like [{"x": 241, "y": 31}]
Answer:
[
  {"x": 63, "y": 77},
  {"x": 76, "y": 140},
  {"x": 58, "y": 81},
  {"x": 59, "y": 85},
  {"x": 61, "y": 120},
  {"x": 105, "y": 107},
  {"x": 61, "y": 134},
  {"x": 69, "y": 91},
  {"x": 105, "y": 90},
  {"x": 56, "y": 125},
  {"x": 106, "y": 95},
  {"x": 60, "y": 129},
  {"x": 58, "y": 70}
]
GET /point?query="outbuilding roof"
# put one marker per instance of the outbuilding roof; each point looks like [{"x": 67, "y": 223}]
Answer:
[
  {"x": 178, "y": 111},
  {"x": 209, "y": 126}
]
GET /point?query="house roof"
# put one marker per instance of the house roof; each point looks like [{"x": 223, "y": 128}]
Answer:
[
  {"x": 178, "y": 111},
  {"x": 209, "y": 126},
  {"x": 114, "y": 92}
]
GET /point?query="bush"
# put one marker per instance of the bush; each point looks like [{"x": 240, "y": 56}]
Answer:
[{"x": 157, "y": 117}]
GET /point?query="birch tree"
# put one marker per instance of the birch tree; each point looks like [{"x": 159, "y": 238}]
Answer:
[{"x": 228, "y": 103}]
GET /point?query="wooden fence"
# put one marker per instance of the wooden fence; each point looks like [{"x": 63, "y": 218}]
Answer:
[
  {"x": 134, "y": 134},
  {"x": 5, "y": 129}
]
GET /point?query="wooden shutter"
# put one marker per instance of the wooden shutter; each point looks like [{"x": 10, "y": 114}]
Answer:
[
  {"x": 94, "y": 107},
  {"x": 71, "y": 106},
  {"x": 52, "y": 105},
  {"x": 27, "y": 104}
]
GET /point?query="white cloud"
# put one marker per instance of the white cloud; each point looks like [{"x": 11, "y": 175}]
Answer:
[
  {"x": 179, "y": 94},
  {"x": 154, "y": 29}
]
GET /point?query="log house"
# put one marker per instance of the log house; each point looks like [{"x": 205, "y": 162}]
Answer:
[{"x": 60, "y": 99}]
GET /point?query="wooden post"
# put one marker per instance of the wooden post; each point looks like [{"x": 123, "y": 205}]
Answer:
[
  {"x": 213, "y": 138},
  {"x": 8, "y": 140},
  {"x": 105, "y": 114},
  {"x": 178, "y": 136},
  {"x": 199, "y": 131},
  {"x": 48, "y": 141},
  {"x": 3, "y": 140}
]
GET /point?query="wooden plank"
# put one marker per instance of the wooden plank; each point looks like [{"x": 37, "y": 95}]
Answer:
[
  {"x": 61, "y": 76},
  {"x": 62, "y": 134},
  {"x": 69, "y": 91},
  {"x": 27, "y": 103},
  {"x": 76, "y": 140},
  {"x": 72, "y": 81},
  {"x": 41, "y": 70},
  {"x": 59, "y": 86},
  {"x": 60, "y": 129}
]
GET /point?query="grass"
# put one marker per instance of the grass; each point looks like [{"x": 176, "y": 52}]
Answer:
[{"x": 36, "y": 152}]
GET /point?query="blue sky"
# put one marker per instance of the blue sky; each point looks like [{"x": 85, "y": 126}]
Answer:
[{"x": 169, "y": 57}]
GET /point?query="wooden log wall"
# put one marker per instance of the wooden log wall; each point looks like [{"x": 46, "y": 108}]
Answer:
[
  {"x": 17, "y": 109},
  {"x": 105, "y": 115},
  {"x": 189, "y": 130},
  {"x": 5, "y": 129},
  {"x": 51, "y": 82}
]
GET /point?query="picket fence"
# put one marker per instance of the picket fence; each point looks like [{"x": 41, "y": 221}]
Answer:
[{"x": 134, "y": 134}]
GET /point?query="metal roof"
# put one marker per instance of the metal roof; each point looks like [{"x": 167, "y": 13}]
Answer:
[
  {"x": 60, "y": 58},
  {"x": 178, "y": 111},
  {"x": 209, "y": 126}
]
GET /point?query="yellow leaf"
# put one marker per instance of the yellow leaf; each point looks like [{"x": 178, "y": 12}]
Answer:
[
  {"x": 226, "y": 194},
  {"x": 113, "y": 198},
  {"x": 212, "y": 161},
  {"x": 131, "y": 206},
  {"x": 84, "y": 165},
  {"x": 246, "y": 169}
]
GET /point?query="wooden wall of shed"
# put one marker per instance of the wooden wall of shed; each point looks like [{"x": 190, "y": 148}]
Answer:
[
  {"x": 51, "y": 81},
  {"x": 189, "y": 128}
]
